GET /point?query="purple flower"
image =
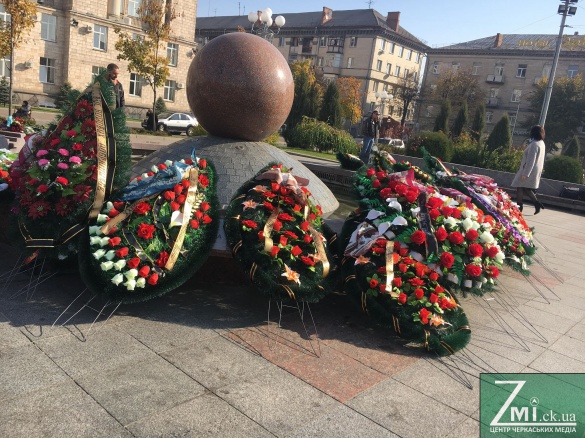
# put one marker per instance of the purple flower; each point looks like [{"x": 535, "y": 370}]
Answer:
[
  {"x": 42, "y": 153},
  {"x": 63, "y": 166},
  {"x": 42, "y": 162},
  {"x": 75, "y": 160},
  {"x": 63, "y": 152}
]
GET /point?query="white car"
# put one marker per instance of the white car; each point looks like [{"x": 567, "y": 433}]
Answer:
[{"x": 177, "y": 122}]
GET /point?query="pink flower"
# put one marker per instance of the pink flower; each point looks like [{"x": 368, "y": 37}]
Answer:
[
  {"x": 63, "y": 152},
  {"x": 42, "y": 153},
  {"x": 42, "y": 162},
  {"x": 75, "y": 160},
  {"x": 63, "y": 166}
]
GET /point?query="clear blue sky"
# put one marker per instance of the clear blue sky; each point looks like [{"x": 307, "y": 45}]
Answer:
[{"x": 437, "y": 22}]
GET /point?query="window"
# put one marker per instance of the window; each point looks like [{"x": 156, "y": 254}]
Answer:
[
  {"x": 388, "y": 68},
  {"x": 100, "y": 37},
  {"x": 493, "y": 92},
  {"x": 172, "y": 54},
  {"x": 397, "y": 71},
  {"x": 322, "y": 42},
  {"x": 382, "y": 44},
  {"x": 417, "y": 58},
  {"x": 48, "y": 25},
  {"x": 133, "y": 6},
  {"x": 376, "y": 85},
  {"x": 521, "y": 72},
  {"x": 96, "y": 71},
  {"x": 436, "y": 68},
  {"x": 409, "y": 54},
  {"x": 47, "y": 71},
  {"x": 379, "y": 65},
  {"x": 400, "y": 51},
  {"x": 169, "y": 90},
  {"x": 385, "y": 87},
  {"x": 406, "y": 72},
  {"x": 415, "y": 76},
  {"x": 572, "y": 71},
  {"x": 488, "y": 116},
  {"x": 135, "y": 85},
  {"x": 349, "y": 62},
  {"x": 391, "y": 47},
  {"x": 476, "y": 67},
  {"x": 516, "y": 95},
  {"x": 352, "y": 41},
  {"x": 281, "y": 42},
  {"x": 499, "y": 70},
  {"x": 320, "y": 61},
  {"x": 512, "y": 117},
  {"x": 455, "y": 66},
  {"x": 5, "y": 66},
  {"x": 4, "y": 16}
]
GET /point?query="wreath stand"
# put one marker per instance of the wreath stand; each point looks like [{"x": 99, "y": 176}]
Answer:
[{"x": 34, "y": 269}]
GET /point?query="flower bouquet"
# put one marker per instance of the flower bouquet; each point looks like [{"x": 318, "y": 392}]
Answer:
[
  {"x": 156, "y": 234},
  {"x": 69, "y": 173},
  {"x": 6, "y": 160},
  {"x": 276, "y": 234}
]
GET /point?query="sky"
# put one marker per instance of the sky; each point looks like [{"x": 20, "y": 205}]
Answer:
[{"x": 436, "y": 22}]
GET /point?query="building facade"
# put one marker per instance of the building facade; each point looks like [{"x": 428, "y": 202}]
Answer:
[
  {"x": 73, "y": 40},
  {"x": 355, "y": 43},
  {"x": 507, "y": 67}
]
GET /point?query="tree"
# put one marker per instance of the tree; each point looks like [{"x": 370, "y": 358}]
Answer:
[
  {"x": 573, "y": 148},
  {"x": 23, "y": 16},
  {"x": 160, "y": 106},
  {"x": 349, "y": 98},
  {"x": 500, "y": 137},
  {"x": 566, "y": 110},
  {"x": 459, "y": 86},
  {"x": 478, "y": 123},
  {"x": 146, "y": 55},
  {"x": 460, "y": 124},
  {"x": 442, "y": 120},
  {"x": 306, "y": 99},
  {"x": 66, "y": 97},
  {"x": 330, "y": 108},
  {"x": 4, "y": 91},
  {"x": 406, "y": 93}
]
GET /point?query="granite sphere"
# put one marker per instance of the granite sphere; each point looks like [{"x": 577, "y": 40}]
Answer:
[{"x": 240, "y": 86}]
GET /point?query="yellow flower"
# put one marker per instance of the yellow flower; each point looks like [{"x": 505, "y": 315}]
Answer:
[
  {"x": 291, "y": 275},
  {"x": 249, "y": 204}
]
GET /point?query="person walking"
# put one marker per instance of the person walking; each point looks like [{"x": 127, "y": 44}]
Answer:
[
  {"x": 370, "y": 130},
  {"x": 112, "y": 72},
  {"x": 527, "y": 179}
]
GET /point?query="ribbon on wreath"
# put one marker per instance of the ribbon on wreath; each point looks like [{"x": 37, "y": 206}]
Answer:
[{"x": 424, "y": 221}]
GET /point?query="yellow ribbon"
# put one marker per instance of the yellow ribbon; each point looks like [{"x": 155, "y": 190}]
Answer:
[
  {"x": 390, "y": 267},
  {"x": 193, "y": 180},
  {"x": 268, "y": 226},
  {"x": 320, "y": 250},
  {"x": 101, "y": 153},
  {"x": 107, "y": 227}
]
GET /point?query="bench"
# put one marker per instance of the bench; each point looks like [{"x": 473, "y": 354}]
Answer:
[{"x": 14, "y": 141}]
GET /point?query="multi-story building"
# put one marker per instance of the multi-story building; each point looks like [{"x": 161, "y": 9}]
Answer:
[
  {"x": 73, "y": 40},
  {"x": 507, "y": 68},
  {"x": 356, "y": 43}
]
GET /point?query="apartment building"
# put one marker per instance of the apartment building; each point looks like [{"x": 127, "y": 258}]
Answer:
[
  {"x": 507, "y": 67},
  {"x": 73, "y": 40},
  {"x": 354, "y": 43}
]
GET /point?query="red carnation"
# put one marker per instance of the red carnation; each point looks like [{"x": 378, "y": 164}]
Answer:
[
  {"x": 441, "y": 234},
  {"x": 142, "y": 208},
  {"x": 202, "y": 163},
  {"x": 153, "y": 279},
  {"x": 285, "y": 217},
  {"x": 434, "y": 202},
  {"x": 274, "y": 251},
  {"x": 473, "y": 270},
  {"x": 277, "y": 225},
  {"x": 376, "y": 184},
  {"x": 308, "y": 261},
  {"x": 385, "y": 193},
  {"x": 416, "y": 282},
  {"x": 169, "y": 195},
  {"x": 433, "y": 276},
  {"x": 114, "y": 241},
  {"x": 434, "y": 298},
  {"x": 194, "y": 223},
  {"x": 471, "y": 235},
  {"x": 419, "y": 237},
  {"x": 446, "y": 211},
  {"x": 42, "y": 188},
  {"x": 175, "y": 206},
  {"x": 370, "y": 172},
  {"x": 402, "y": 298},
  {"x": 204, "y": 206},
  {"x": 203, "y": 180},
  {"x": 397, "y": 282},
  {"x": 447, "y": 259},
  {"x": 113, "y": 212},
  {"x": 71, "y": 133},
  {"x": 122, "y": 252},
  {"x": 456, "y": 213},
  {"x": 162, "y": 260},
  {"x": 162, "y": 166},
  {"x": 249, "y": 224},
  {"x": 378, "y": 250},
  {"x": 307, "y": 238},
  {"x": 61, "y": 180},
  {"x": 492, "y": 271},
  {"x": 178, "y": 189},
  {"x": 268, "y": 206},
  {"x": 411, "y": 196},
  {"x": 434, "y": 214},
  {"x": 144, "y": 271},
  {"x": 291, "y": 235},
  {"x": 145, "y": 231},
  {"x": 185, "y": 183},
  {"x": 456, "y": 238},
  {"x": 373, "y": 283},
  {"x": 424, "y": 316},
  {"x": 475, "y": 250},
  {"x": 260, "y": 235},
  {"x": 491, "y": 252},
  {"x": 283, "y": 240},
  {"x": 419, "y": 293},
  {"x": 133, "y": 263},
  {"x": 296, "y": 251}
]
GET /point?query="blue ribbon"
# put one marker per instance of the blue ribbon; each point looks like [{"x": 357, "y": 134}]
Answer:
[{"x": 162, "y": 180}]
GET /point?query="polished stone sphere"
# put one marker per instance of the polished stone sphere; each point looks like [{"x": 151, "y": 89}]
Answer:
[{"x": 240, "y": 86}]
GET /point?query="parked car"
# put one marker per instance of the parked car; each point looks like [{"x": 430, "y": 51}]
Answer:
[
  {"x": 394, "y": 142},
  {"x": 175, "y": 123}
]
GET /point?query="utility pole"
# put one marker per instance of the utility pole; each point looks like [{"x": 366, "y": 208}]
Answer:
[{"x": 564, "y": 9}]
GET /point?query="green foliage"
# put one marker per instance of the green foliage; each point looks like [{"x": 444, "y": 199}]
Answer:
[
  {"x": 478, "y": 124},
  {"x": 160, "y": 106},
  {"x": 306, "y": 99},
  {"x": 500, "y": 137},
  {"x": 442, "y": 120},
  {"x": 273, "y": 139},
  {"x": 466, "y": 151},
  {"x": 199, "y": 131},
  {"x": 460, "y": 124},
  {"x": 436, "y": 143},
  {"x": 573, "y": 148},
  {"x": 61, "y": 99},
  {"x": 4, "y": 91},
  {"x": 563, "y": 168},
  {"x": 314, "y": 134},
  {"x": 502, "y": 159},
  {"x": 331, "y": 109}
]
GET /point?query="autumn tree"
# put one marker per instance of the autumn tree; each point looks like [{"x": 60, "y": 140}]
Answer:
[
  {"x": 146, "y": 55},
  {"x": 349, "y": 98},
  {"x": 307, "y": 94},
  {"x": 23, "y": 16},
  {"x": 459, "y": 86},
  {"x": 406, "y": 92},
  {"x": 566, "y": 110}
]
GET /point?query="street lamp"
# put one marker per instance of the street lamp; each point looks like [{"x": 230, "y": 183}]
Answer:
[
  {"x": 384, "y": 96},
  {"x": 265, "y": 22},
  {"x": 565, "y": 10}
]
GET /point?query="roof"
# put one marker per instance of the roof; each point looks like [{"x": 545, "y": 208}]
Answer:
[
  {"x": 521, "y": 42},
  {"x": 350, "y": 19}
]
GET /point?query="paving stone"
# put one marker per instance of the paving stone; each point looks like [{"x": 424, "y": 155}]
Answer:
[
  {"x": 103, "y": 349},
  {"x": 140, "y": 389},
  {"x": 569, "y": 346},
  {"x": 577, "y": 332},
  {"x": 277, "y": 400},
  {"x": 216, "y": 362},
  {"x": 64, "y": 411},
  {"x": 205, "y": 416},
  {"x": 468, "y": 429},
  {"x": 541, "y": 318},
  {"x": 11, "y": 337},
  {"x": 342, "y": 422},
  {"x": 26, "y": 369},
  {"x": 553, "y": 362},
  {"x": 406, "y": 412}
]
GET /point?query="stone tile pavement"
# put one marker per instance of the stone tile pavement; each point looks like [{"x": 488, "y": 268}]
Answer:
[{"x": 208, "y": 359}]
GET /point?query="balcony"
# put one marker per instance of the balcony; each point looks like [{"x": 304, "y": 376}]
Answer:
[
  {"x": 491, "y": 102},
  {"x": 495, "y": 79}
]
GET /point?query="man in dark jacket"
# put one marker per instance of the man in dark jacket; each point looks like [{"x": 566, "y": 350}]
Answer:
[
  {"x": 112, "y": 72},
  {"x": 370, "y": 131}
]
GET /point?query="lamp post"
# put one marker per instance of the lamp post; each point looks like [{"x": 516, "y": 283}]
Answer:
[
  {"x": 565, "y": 10},
  {"x": 383, "y": 97},
  {"x": 265, "y": 22}
]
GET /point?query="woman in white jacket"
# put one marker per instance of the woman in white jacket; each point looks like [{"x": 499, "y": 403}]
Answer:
[{"x": 527, "y": 178}]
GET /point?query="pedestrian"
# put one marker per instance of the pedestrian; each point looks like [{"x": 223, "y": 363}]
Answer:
[
  {"x": 23, "y": 111},
  {"x": 370, "y": 131},
  {"x": 527, "y": 178},
  {"x": 112, "y": 72}
]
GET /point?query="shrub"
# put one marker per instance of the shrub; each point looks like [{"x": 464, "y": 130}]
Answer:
[
  {"x": 466, "y": 151},
  {"x": 272, "y": 139},
  {"x": 436, "y": 143},
  {"x": 460, "y": 124},
  {"x": 199, "y": 130},
  {"x": 313, "y": 134},
  {"x": 573, "y": 148},
  {"x": 442, "y": 120},
  {"x": 500, "y": 137},
  {"x": 478, "y": 124},
  {"x": 160, "y": 106},
  {"x": 564, "y": 168},
  {"x": 502, "y": 159},
  {"x": 331, "y": 109}
]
